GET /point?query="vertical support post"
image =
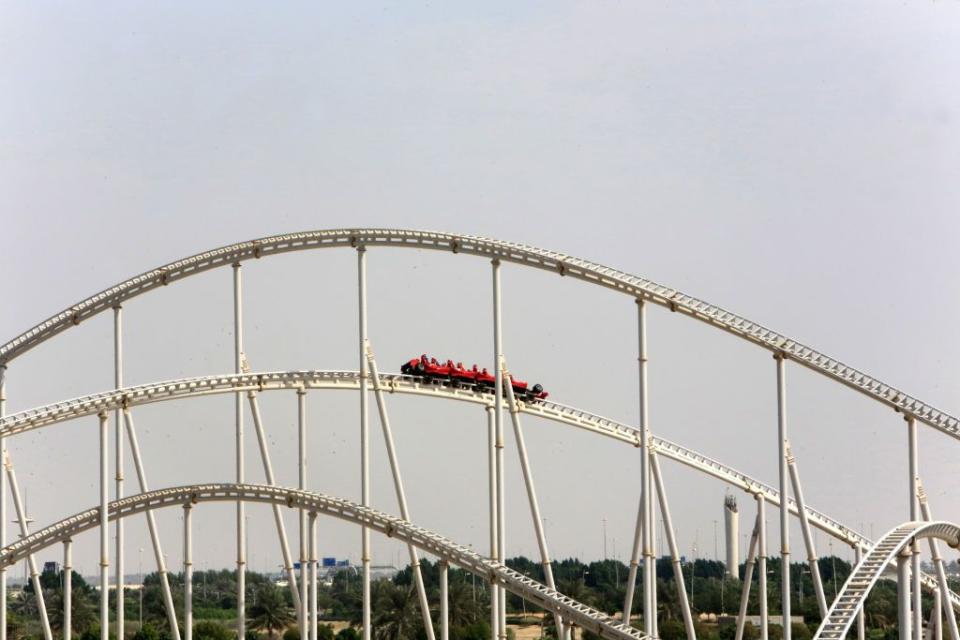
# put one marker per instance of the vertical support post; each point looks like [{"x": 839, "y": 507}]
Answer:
[
  {"x": 492, "y": 466},
  {"x": 3, "y": 506},
  {"x": 649, "y": 575},
  {"x": 914, "y": 515},
  {"x": 762, "y": 566},
  {"x": 238, "y": 406},
  {"x": 444, "y": 602},
  {"x": 748, "y": 578},
  {"x": 936, "y": 619},
  {"x": 187, "y": 573},
  {"x": 634, "y": 556},
  {"x": 364, "y": 434},
  {"x": 104, "y": 532},
  {"x": 674, "y": 549},
  {"x": 498, "y": 423},
  {"x": 67, "y": 589},
  {"x": 807, "y": 537},
  {"x": 313, "y": 575},
  {"x": 784, "y": 499},
  {"x": 903, "y": 595},
  {"x": 305, "y": 592},
  {"x": 118, "y": 463},
  {"x": 861, "y": 617}
]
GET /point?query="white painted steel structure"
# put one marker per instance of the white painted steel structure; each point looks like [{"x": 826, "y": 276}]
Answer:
[{"x": 652, "y": 493}]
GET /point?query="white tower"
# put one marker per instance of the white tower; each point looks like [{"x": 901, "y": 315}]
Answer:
[{"x": 731, "y": 518}]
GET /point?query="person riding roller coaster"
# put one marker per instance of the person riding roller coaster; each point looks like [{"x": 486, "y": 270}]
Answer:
[{"x": 456, "y": 375}]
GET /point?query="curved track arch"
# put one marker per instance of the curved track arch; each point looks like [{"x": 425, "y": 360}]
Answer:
[
  {"x": 861, "y": 580},
  {"x": 396, "y": 383},
  {"x": 390, "y": 526},
  {"x": 562, "y": 264}
]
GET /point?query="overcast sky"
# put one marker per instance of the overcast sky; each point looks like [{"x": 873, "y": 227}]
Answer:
[{"x": 796, "y": 163}]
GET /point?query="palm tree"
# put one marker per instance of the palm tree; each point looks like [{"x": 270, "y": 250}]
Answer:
[
  {"x": 271, "y": 611},
  {"x": 396, "y": 608},
  {"x": 81, "y": 610},
  {"x": 464, "y": 609}
]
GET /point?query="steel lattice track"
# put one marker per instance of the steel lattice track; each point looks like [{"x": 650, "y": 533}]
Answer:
[
  {"x": 505, "y": 251},
  {"x": 519, "y": 584}
]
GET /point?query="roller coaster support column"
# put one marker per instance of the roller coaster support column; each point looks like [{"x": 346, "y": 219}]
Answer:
[
  {"x": 861, "y": 618},
  {"x": 934, "y": 626},
  {"x": 649, "y": 570},
  {"x": 187, "y": 573},
  {"x": 3, "y": 506},
  {"x": 24, "y": 532},
  {"x": 398, "y": 486},
  {"x": 498, "y": 422},
  {"x": 104, "y": 538},
  {"x": 118, "y": 463},
  {"x": 67, "y": 589},
  {"x": 762, "y": 566},
  {"x": 492, "y": 464},
  {"x": 747, "y": 579},
  {"x": 807, "y": 537},
  {"x": 903, "y": 595},
  {"x": 531, "y": 488},
  {"x": 152, "y": 527},
  {"x": 305, "y": 592},
  {"x": 672, "y": 543},
  {"x": 784, "y": 500},
  {"x": 639, "y": 539},
  {"x": 944, "y": 588},
  {"x": 915, "y": 515},
  {"x": 241, "y": 524},
  {"x": 444, "y": 602},
  {"x": 364, "y": 432},
  {"x": 277, "y": 514},
  {"x": 313, "y": 575}
]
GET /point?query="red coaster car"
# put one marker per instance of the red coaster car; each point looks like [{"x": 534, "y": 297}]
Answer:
[{"x": 431, "y": 370}]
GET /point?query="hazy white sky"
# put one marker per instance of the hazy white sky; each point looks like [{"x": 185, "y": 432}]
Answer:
[{"x": 797, "y": 164}]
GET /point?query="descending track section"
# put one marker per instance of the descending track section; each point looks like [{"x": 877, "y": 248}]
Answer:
[
  {"x": 565, "y": 265},
  {"x": 513, "y": 581},
  {"x": 858, "y": 585}
]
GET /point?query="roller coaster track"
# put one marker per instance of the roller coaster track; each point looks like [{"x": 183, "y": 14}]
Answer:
[
  {"x": 396, "y": 383},
  {"x": 562, "y": 264},
  {"x": 858, "y": 585},
  {"x": 515, "y": 582}
]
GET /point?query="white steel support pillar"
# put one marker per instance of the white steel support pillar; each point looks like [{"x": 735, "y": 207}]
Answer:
[
  {"x": 903, "y": 595},
  {"x": 401, "y": 494},
  {"x": 784, "y": 500},
  {"x": 104, "y": 533},
  {"x": 914, "y": 515},
  {"x": 67, "y": 589},
  {"x": 944, "y": 588},
  {"x": 747, "y": 579},
  {"x": 187, "y": 573},
  {"x": 3, "y": 506},
  {"x": 444, "y": 602},
  {"x": 492, "y": 468},
  {"x": 277, "y": 514},
  {"x": 647, "y": 532},
  {"x": 531, "y": 488},
  {"x": 674, "y": 549},
  {"x": 152, "y": 527},
  {"x": 762, "y": 566},
  {"x": 118, "y": 463},
  {"x": 238, "y": 406},
  {"x": 305, "y": 592},
  {"x": 807, "y": 536},
  {"x": 861, "y": 617},
  {"x": 364, "y": 434},
  {"x": 24, "y": 532},
  {"x": 498, "y": 423},
  {"x": 936, "y": 621},
  {"x": 313, "y": 576}
]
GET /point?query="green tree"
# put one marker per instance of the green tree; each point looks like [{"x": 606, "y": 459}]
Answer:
[
  {"x": 349, "y": 633},
  {"x": 271, "y": 611},
  {"x": 210, "y": 630}
]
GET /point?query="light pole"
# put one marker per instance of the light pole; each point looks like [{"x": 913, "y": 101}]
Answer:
[{"x": 140, "y": 571}]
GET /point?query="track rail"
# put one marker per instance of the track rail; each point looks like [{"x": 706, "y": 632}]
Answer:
[
  {"x": 515, "y": 582},
  {"x": 861, "y": 580},
  {"x": 562, "y": 264}
]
